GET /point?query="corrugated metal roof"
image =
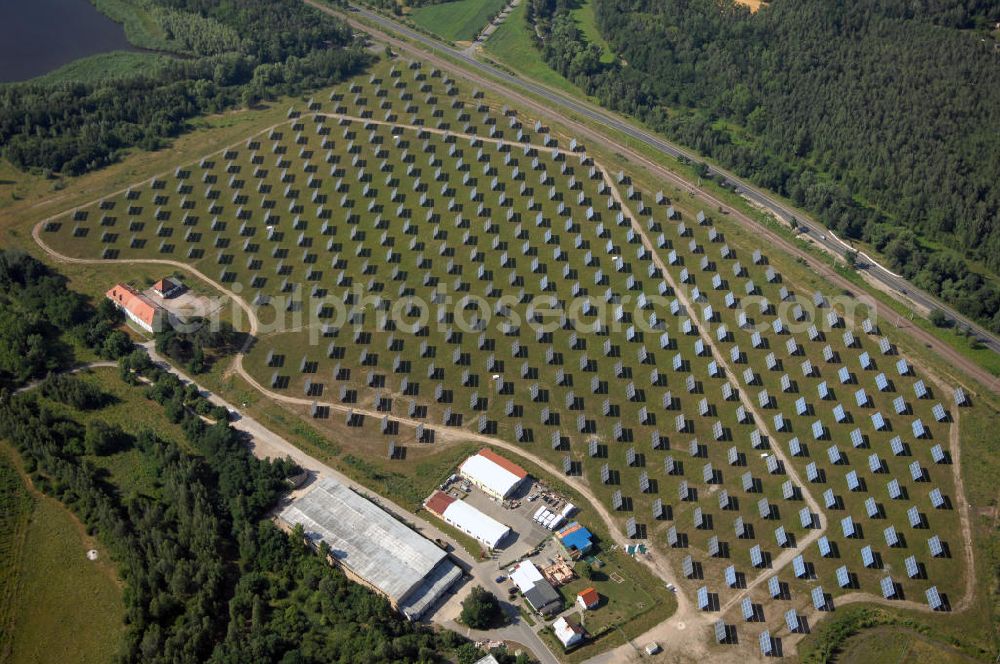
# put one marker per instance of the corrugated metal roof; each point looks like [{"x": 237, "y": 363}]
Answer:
[{"x": 365, "y": 538}]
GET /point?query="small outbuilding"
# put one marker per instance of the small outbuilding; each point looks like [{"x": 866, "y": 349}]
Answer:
[
  {"x": 167, "y": 287},
  {"x": 588, "y": 598}
]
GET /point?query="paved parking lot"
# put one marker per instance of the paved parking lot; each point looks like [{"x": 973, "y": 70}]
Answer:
[{"x": 527, "y": 534}]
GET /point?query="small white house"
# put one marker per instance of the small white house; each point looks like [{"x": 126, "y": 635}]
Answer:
[{"x": 569, "y": 634}]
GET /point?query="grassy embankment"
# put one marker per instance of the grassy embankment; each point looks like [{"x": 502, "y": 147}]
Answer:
[{"x": 461, "y": 20}]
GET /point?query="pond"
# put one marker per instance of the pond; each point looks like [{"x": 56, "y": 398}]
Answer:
[{"x": 38, "y": 36}]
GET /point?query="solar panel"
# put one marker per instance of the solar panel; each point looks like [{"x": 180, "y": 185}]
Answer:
[
  {"x": 934, "y": 598},
  {"x": 825, "y": 550},
  {"x": 795, "y": 447},
  {"x": 687, "y": 566},
  {"x": 867, "y": 557},
  {"x": 920, "y": 389},
  {"x": 833, "y": 452},
  {"x": 788, "y": 490},
  {"x": 774, "y": 587},
  {"x": 801, "y": 408},
  {"x": 895, "y": 491},
  {"x": 853, "y": 481},
  {"x": 912, "y": 569},
  {"x": 847, "y": 526},
  {"x": 746, "y": 607},
  {"x": 843, "y": 577},
  {"x": 702, "y": 597},
  {"x": 914, "y": 517},
  {"x": 720, "y": 631},
  {"x": 881, "y": 382},
  {"x": 764, "y": 508},
  {"x": 878, "y": 422},
  {"x": 829, "y": 499},
  {"x": 857, "y": 438},
  {"x": 756, "y": 556},
  {"x": 806, "y": 517},
  {"x": 766, "y": 647},
  {"x": 888, "y": 587},
  {"x": 738, "y": 527},
  {"x": 937, "y": 500},
  {"x": 799, "y": 567},
  {"x": 713, "y": 546},
  {"x": 812, "y": 472},
  {"x": 919, "y": 431},
  {"x": 916, "y": 471},
  {"x": 861, "y": 397},
  {"x": 780, "y": 536},
  {"x": 818, "y": 598},
  {"x": 874, "y": 463},
  {"x": 899, "y": 405},
  {"x": 935, "y": 546},
  {"x": 792, "y": 620},
  {"x": 818, "y": 431},
  {"x": 897, "y": 446},
  {"x": 937, "y": 454},
  {"x": 730, "y": 576},
  {"x": 891, "y": 536},
  {"x": 871, "y": 508}
]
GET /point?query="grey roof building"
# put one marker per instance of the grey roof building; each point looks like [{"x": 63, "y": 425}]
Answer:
[
  {"x": 543, "y": 598},
  {"x": 373, "y": 547}
]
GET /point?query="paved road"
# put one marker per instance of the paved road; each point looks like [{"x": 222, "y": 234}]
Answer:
[{"x": 824, "y": 239}]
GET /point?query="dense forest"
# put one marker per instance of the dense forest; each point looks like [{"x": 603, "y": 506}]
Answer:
[
  {"x": 227, "y": 54},
  {"x": 882, "y": 117},
  {"x": 208, "y": 576},
  {"x": 40, "y": 319}
]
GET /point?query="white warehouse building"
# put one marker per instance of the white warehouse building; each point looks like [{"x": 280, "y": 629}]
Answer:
[
  {"x": 493, "y": 474},
  {"x": 468, "y": 519}
]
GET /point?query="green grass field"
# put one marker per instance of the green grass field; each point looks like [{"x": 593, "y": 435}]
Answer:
[
  {"x": 585, "y": 19},
  {"x": 459, "y": 20},
  {"x": 15, "y": 510},
  {"x": 117, "y": 64},
  {"x": 66, "y": 609},
  {"x": 513, "y": 46},
  {"x": 897, "y": 645}
]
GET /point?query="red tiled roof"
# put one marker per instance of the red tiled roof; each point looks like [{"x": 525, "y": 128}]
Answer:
[
  {"x": 589, "y": 596},
  {"x": 503, "y": 463},
  {"x": 438, "y": 502},
  {"x": 132, "y": 300},
  {"x": 165, "y": 285}
]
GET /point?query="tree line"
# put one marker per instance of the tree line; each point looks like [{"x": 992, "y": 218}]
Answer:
[
  {"x": 229, "y": 54},
  {"x": 882, "y": 118}
]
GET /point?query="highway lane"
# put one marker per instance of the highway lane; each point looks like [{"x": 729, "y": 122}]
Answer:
[{"x": 823, "y": 238}]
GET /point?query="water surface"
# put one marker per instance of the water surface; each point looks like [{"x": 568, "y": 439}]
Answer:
[{"x": 38, "y": 36}]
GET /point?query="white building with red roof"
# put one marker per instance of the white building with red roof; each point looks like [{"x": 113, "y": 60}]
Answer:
[
  {"x": 492, "y": 473},
  {"x": 140, "y": 309}
]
